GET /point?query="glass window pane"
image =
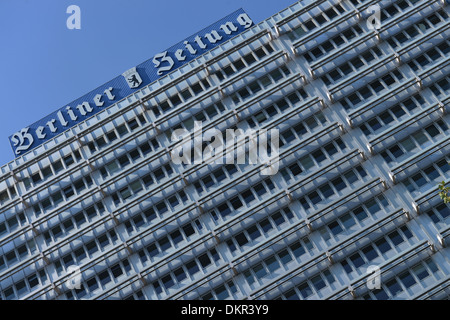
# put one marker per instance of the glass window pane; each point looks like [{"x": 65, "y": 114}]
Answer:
[
  {"x": 407, "y": 279},
  {"x": 370, "y": 252},
  {"x": 396, "y": 238},
  {"x": 408, "y": 144},
  {"x": 318, "y": 282},
  {"x": 305, "y": 290},
  {"x": 420, "y": 137},
  {"x": 420, "y": 271},
  {"x": 348, "y": 221},
  {"x": 394, "y": 287}
]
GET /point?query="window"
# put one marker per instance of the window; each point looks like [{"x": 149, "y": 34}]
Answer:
[
  {"x": 407, "y": 279},
  {"x": 394, "y": 287},
  {"x": 370, "y": 252},
  {"x": 305, "y": 290},
  {"x": 122, "y": 130},
  {"x": 364, "y": 93},
  {"x": 192, "y": 268},
  {"x": 36, "y": 177},
  {"x": 383, "y": 245},
  {"x": 68, "y": 160},
  {"x": 116, "y": 270}
]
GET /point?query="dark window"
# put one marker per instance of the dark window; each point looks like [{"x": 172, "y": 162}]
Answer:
[
  {"x": 297, "y": 249},
  {"x": 360, "y": 213},
  {"x": 101, "y": 142},
  {"x": 295, "y": 169},
  {"x": 305, "y": 290},
  {"x": 370, "y": 252},
  {"x": 162, "y": 208},
  {"x": 92, "y": 147},
  {"x": 319, "y": 156},
  {"x": 123, "y": 160},
  {"x": 314, "y": 197},
  {"x": 443, "y": 165},
  {"x": 330, "y": 149},
  {"x": 310, "y": 25},
  {"x": 104, "y": 278},
  {"x": 68, "y": 160},
  {"x": 179, "y": 274},
  {"x": 249, "y": 58},
  {"x": 419, "y": 179},
  {"x": 432, "y": 130},
  {"x": 152, "y": 250},
  {"x": 253, "y": 232},
  {"x": 260, "y": 53},
  {"x": 236, "y": 203},
  {"x": 175, "y": 100},
  {"x": 134, "y": 154},
  {"x": 374, "y": 124},
  {"x": 338, "y": 40},
  {"x": 33, "y": 280},
  {"x": 111, "y": 136},
  {"x": 239, "y": 64},
  {"x": 164, "y": 243},
  {"x": 188, "y": 230},
  {"x": 396, "y": 151},
  {"x": 326, "y": 190},
  {"x": 338, "y": 183},
  {"x": 57, "y": 166},
  {"x": 386, "y": 117},
  {"x": 204, "y": 260},
  {"x": 260, "y": 190},
  {"x": 241, "y": 239},
  {"x": 406, "y": 232},
  {"x": 388, "y": 79},
  {"x": 91, "y": 247},
  {"x": 394, "y": 287},
  {"x": 176, "y": 236},
  {"x": 266, "y": 225},
  {"x": 318, "y": 282},
  {"x": 330, "y": 13},
  {"x": 278, "y": 218},
  {"x": 116, "y": 270},
  {"x": 197, "y": 88},
  {"x": 396, "y": 238},
  {"x": 304, "y": 203},
  {"x": 284, "y": 256},
  {"x": 335, "y": 228},
  {"x": 443, "y": 210},
  {"x": 122, "y": 130},
  {"x": 36, "y": 177},
  {"x": 354, "y": 99},
  {"x": 380, "y": 294},
  {"x": 407, "y": 279},
  {"x": 365, "y": 92},
  {"x": 92, "y": 284},
  {"x": 421, "y": 272},
  {"x": 167, "y": 281},
  {"x": 248, "y": 197},
  {"x": 320, "y": 19},
  {"x": 79, "y": 185},
  {"x": 147, "y": 180}
]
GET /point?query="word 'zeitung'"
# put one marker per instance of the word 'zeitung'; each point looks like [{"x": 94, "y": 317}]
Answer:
[{"x": 199, "y": 43}]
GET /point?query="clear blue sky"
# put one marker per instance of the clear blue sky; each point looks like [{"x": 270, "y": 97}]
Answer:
[{"x": 44, "y": 65}]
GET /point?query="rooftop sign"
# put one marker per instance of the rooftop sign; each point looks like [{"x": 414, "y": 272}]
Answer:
[{"x": 130, "y": 81}]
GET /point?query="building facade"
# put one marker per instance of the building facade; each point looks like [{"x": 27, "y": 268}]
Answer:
[{"x": 360, "y": 99}]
